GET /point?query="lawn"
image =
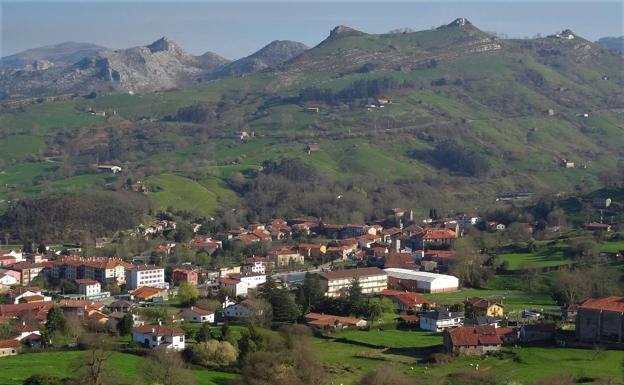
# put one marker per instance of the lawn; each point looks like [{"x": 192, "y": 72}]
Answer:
[
  {"x": 15, "y": 369},
  {"x": 547, "y": 258},
  {"x": 612, "y": 247},
  {"x": 393, "y": 338}
]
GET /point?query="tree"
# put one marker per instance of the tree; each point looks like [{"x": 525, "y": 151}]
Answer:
[
  {"x": 385, "y": 376},
  {"x": 375, "y": 310},
  {"x": 42, "y": 379},
  {"x": 310, "y": 294},
  {"x": 284, "y": 307},
  {"x": 93, "y": 367},
  {"x": 165, "y": 367},
  {"x": 55, "y": 321},
  {"x": 187, "y": 294},
  {"x": 214, "y": 354},
  {"x": 355, "y": 298},
  {"x": 204, "y": 333},
  {"x": 125, "y": 324}
]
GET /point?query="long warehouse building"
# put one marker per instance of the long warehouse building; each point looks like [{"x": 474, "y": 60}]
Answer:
[{"x": 421, "y": 281}]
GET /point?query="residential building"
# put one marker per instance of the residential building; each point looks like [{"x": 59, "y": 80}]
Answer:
[
  {"x": 104, "y": 270},
  {"x": 484, "y": 307},
  {"x": 150, "y": 294},
  {"x": 22, "y": 295},
  {"x": 407, "y": 301},
  {"x": 256, "y": 265},
  {"x": 9, "y": 347},
  {"x": 472, "y": 340},
  {"x": 252, "y": 280},
  {"x": 28, "y": 271},
  {"x": 89, "y": 287},
  {"x": 6, "y": 260},
  {"x": 7, "y": 279},
  {"x": 242, "y": 310},
  {"x": 146, "y": 275},
  {"x": 421, "y": 281},
  {"x": 601, "y": 203},
  {"x": 328, "y": 321},
  {"x": 153, "y": 336},
  {"x": 237, "y": 287},
  {"x": 440, "y": 319},
  {"x": 336, "y": 283},
  {"x": 196, "y": 314},
  {"x": 598, "y": 227},
  {"x": 601, "y": 320},
  {"x": 17, "y": 276},
  {"x": 184, "y": 276},
  {"x": 537, "y": 332},
  {"x": 285, "y": 257}
]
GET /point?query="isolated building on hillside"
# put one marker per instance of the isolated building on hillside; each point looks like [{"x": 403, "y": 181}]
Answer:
[
  {"x": 337, "y": 283},
  {"x": 601, "y": 320},
  {"x": 196, "y": 314},
  {"x": 421, "y": 281},
  {"x": 328, "y": 321},
  {"x": 473, "y": 340}
]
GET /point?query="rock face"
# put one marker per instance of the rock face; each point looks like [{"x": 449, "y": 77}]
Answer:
[
  {"x": 273, "y": 54},
  {"x": 159, "y": 66},
  {"x": 58, "y": 54}
]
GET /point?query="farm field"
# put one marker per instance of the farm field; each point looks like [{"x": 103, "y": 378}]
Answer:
[
  {"x": 517, "y": 261},
  {"x": 15, "y": 369}
]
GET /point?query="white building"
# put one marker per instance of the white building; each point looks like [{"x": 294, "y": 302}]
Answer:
[
  {"x": 237, "y": 287},
  {"x": 89, "y": 287},
  {"x": 421, "y": 281},
  {"x": 253, "y": 280},
  {"x": 146, "y": 275},
  {"x": 438, "y": 320},
  {"x": 153, "y": 336},
  {"x": 337, "y": 283},
  {"x": 242, "y": 310},
  {"x": 7, "y": 279},
  {"x": 196, "y": 314}
]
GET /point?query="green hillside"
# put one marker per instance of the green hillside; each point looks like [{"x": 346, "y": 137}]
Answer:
[{"x": 490, "y": 96}]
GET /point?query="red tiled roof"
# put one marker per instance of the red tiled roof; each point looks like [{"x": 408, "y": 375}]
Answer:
[
  {"x": 473, "y": 336},
  {"x": 146, "y": 292},
  {"x": 612, "y": 303},
  {"x": 200, "y": 311},
  {"x": 87, "y": 282},
  {"x": 5, "y": 344},
  {"x": 158, "y": 330},
  {"x": 229, "y": 281},
  {"x": 16, "y": 309},
  {"x": 329, "y": 320},
  {"x": 437, "y": 233}
]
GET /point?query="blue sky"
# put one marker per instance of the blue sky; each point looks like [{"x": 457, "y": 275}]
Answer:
[{"x": 237, "y": 28}]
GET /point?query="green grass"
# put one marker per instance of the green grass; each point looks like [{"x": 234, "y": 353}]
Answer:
[
  {"x": 204, "y": 196},
  {"x": 393, "y": 338},
  {"x": 47, "y": 117},
  {"x": 519, "y": 261},
  {"x": 18, "y": 147},
  {"x": 15, "y": 369},
  {"x": 612, "y": 247}
]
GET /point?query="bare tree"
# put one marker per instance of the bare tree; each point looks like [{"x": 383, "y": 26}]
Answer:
[{"x": 166, "y": 367}]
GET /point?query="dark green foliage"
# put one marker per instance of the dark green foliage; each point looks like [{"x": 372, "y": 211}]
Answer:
[
  {"x": 196, "y": 113},
  {"x": 55, "y": 321},
  {"x": 72, "y": 216},
  {"x": 310, "y": 295},
  {"x": 360, "y": 89},
  {"x": 285, "y": 309},
  {"x": 204, "y": 333},
  {"x": 460, "y": 159},
  {"x": 43, "y": 379},
  {"x": 125, "y": 324}
]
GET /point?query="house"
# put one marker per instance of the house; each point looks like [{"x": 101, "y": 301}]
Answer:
[
  {"x": 336, "y": 283},
  {"x": 537, "y": 332},
  {"x": 184, "y": 276},
  {"x": 9, "y": 347},
  {"x": 38, "y": 310},
  {"x": 601, "y": 320},
  {"x": 28, "y": 271},
  {"x": 407, "y": 301},
  {"x": 153, "y": 336},
  {"x": 472, "y": 340},
  {"x": 255, "y": 264},
  {"x": 483, "y": 307},
  {"x": 120, "y": 306},
  {"x": 313, "y": 109},
  {"x": 7, "y": 279},
  {"x": 24, "y": 330},
  {"x": 109, "y": 167},
  {"x": 17, "y": 295},
  {"x": 481, "y": 321},
  {"x": 493, "y": 226},
  {"x": 567, "y": 163},
  {"x": 421, "y": 281},
  {"x": 206, "y": 243},
  {"x": 399, "y": 260},
  {"x": 150, "y": 294},
  {"x": 328, "y": 321},
  {"x": 601, "y": 203},
  {"x": 89, "y": 287},
  {"x": 17, "y": 276},
  {"x": 6, "y": 260},
  {"x": 285, "y": 256},
  {"x": 440, "y": 319},
  {"x": 242, "y": 310},
  {"x": 146, "y": 275},
  {"x": 196, "y": 314},
  {"x": 312, "y": 250},
  {"x": 598, "y": 227},
  {"x": 252, "y": 280},
  {"x": 237, "y": 287},
  {"x": 435, "y": 235}
]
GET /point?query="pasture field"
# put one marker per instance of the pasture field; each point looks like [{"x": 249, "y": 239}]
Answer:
[{"x": 15, "y": 369}]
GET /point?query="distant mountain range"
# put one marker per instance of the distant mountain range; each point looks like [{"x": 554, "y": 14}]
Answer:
[
  {"x": 82, "y": 68},
  {"x": 614, "y": 43}
]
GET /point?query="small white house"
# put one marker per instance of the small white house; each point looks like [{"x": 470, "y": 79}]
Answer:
[
  {"x": 7, "y": 279},
  {"x": 242, "y": 310},
  {"x": 438, "y": 320},
  {"x": 153, "y": 336},
  {"x": 237, "y": 287},
  {"x": 252, "y": 280},
  {"x": 196, "y": 314},
  {"x": 89, "y": 287}
]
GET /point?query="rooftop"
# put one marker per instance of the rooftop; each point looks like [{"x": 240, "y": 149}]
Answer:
[{"x": 352, "y": 273}]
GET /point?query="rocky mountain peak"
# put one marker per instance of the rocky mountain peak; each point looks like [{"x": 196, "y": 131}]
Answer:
[
  {"x": 163, "y": 44},
  {"x": 459, "y": 22},
  {"x": 344, "y": 31}
]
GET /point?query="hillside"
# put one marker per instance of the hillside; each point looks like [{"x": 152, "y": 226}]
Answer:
[
  {"x": 614, "y": 43},
  {"x": 57, "y": 54},
  {"x": 468, "y": 116}
]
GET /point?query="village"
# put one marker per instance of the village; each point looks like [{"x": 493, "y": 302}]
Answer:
[{"x": 395, "y": 273}]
